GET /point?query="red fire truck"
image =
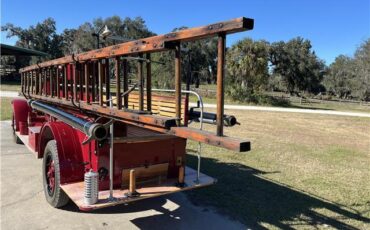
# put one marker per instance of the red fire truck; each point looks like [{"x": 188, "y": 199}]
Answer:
[{"x": 106, "y": 141}]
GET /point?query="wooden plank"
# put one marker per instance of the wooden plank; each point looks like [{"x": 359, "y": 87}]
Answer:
[
  {"x": 118, "y": 82},
  {"x": 57, "y": 80},
  {"x": 107, "y": 81},
  {"x": 220, "y": 83},
  {"x": 211, "y": 139},
  {"x": 125, "y": 82},
  {"x": 100, "y": 77},
  {"x": 93, "y": 74},
  {"x": 74, "y": 80},
  {"x": 87, "y": 82},
  {"x": 32, "y": 74},
  {"x": 178, "y": 82},
  {"x": 148, "y": 82},
  {"x": 167, "y": 114},
  {"x": 155, "y": 43},
  {"x": 141, "y": 83},
  {"x": 45, "y": 82},
  {"x": 65, "y": 82}
]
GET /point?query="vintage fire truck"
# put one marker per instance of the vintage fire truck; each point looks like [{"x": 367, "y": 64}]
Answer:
[{"x": 105, "y": 140}]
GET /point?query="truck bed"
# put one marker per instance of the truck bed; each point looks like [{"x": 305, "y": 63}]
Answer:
[{"x": 75, "y": 191}]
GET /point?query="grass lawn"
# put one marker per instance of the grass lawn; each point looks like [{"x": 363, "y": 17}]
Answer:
[
  {"x": 5, "y": 109},
  {"x": 326, "y": 105},
  {"x": 10, "y": 86},
  {"x": 305, "y": 171}
]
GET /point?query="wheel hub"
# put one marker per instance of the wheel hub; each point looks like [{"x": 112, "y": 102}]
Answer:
[{"x": 50, "y": 176}]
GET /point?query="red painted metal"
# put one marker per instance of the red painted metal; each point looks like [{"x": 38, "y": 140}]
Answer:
[
  {"x": 20, "y": 112},
  {"x": 71, "y": 160},
  {"x": 33, "y": 137},
  {"x": 50, "y": 175},
  {"x": 23, "y": 128}
]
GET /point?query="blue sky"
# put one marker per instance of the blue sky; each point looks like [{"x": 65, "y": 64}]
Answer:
[{"x": 333, "y": 26}]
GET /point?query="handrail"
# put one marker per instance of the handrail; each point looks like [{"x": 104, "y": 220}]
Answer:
[{"x": 192, "y": 92}]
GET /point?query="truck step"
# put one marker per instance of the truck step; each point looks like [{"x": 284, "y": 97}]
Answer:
[{"x": 75, "y": 191}]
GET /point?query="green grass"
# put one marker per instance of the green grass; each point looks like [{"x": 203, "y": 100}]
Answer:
[
  {"x": 5, "y": 110},
  {"x": 334, "y": 105},
  {"x": 10, "y": 86},
  {"x": 304, "y": 171}
]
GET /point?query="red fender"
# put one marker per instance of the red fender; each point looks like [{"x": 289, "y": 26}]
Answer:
[
  {"x": 71, "y": 161},
  {"x": 20, "y": 112}
]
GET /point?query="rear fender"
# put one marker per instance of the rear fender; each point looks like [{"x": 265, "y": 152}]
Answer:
[
  {"x": 69, "y": 150},
  {"x": 20, "y": 112}
]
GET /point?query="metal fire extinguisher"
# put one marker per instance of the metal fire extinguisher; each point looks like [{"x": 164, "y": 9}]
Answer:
[{"x": 91, "y": 187}]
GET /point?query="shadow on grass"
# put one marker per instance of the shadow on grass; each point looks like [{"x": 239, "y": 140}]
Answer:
[
  {"x": 243, "y": 194},
  {"x": 300, "y": 107}
]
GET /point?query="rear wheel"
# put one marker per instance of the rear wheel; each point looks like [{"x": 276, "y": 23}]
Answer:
[
  {"x": 15, "y": 137},
  {"x": 51, "y": 176}
]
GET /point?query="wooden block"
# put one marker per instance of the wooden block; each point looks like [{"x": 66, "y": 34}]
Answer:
[
  {"x": 145, "y": 173},
  {"x": 132, "y": 187}
]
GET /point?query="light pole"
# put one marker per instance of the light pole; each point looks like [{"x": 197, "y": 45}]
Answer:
[{"x": 106, "y": 32}]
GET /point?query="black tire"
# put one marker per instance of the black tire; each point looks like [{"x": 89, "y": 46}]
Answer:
[
  {"x": 55, "y": 196},
  {"x": 16, "y": 139}
]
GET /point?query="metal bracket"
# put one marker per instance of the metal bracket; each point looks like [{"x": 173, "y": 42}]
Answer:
[{"x": 106, "y": 126}]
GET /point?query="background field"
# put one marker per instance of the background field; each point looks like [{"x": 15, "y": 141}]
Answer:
[
  {"x": 5, "y": 108},
  {"x": 305, "y": 171}
]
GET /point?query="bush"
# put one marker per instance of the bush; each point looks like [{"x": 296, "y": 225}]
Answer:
[{"x": 238, "y": 93}]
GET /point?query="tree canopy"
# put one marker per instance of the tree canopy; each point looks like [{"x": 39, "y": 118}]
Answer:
[
  {"x": 252, "y": 65},
  {"x": 350, "y": 77},
  {"x": 297, "y": 64},
  {"x": 247, "y": 64}
]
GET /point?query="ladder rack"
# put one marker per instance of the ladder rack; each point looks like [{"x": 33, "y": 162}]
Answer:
[{"x": 82, "y": 82}]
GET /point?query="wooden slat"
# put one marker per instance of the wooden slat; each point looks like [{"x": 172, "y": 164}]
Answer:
[
  {"x": 148, "y": 82},
  {"x": 87, "y": 82},
  {"x": 107, "y": 81},
  {"x": 100, "y": 77},
  {"x": 118, "y": 82},
  {"x": 141, "y": 83},
  {"x": 46, "y": 81},
  {"x": 74, "y": 80},
  {"x": 93, "y": 74},
  {"x": 57, "y": 80},
  {"x": 125, "y": 82},
  {"x": 65, "y": 82},
  {"x": 220, "y": 83},
  {"x": 178, "y": 82}
]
